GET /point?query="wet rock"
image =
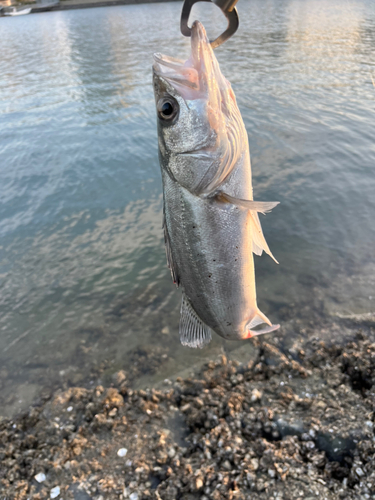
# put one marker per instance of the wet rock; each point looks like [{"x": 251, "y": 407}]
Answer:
[
  {"x": 335, "y": 447},
  {"x": 293, "y": 427},
  {"x": 113, "y": 399},
  {"x": 41, "y": 477},
  {"x": 256, "y": 395},
  {"x": 120, "y": 377},
  {"x": 55, "y": 492}
]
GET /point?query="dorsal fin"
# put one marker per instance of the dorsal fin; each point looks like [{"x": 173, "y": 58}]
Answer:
[
  {"x": 193, "y": 332},
  {"x": 259, "y": 241},
  {"x": 172, "y": 266}
]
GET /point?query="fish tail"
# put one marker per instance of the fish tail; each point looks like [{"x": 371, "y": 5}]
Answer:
[{"x": 256, "y": 320}]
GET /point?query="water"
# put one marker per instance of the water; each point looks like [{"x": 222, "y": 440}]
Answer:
[{"x": 84, "y": 288}]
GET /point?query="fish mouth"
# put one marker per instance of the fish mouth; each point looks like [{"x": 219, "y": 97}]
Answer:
[
  {"x": 187, "y": 77},
  {"x": 175, "y": 71},
  {"x": 179, "y": 75}
]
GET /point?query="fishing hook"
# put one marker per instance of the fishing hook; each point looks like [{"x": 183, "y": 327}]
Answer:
[{"x": 227, "y": 7}]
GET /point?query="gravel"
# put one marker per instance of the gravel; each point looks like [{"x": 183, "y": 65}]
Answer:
[{"x": 289, "y": 424}]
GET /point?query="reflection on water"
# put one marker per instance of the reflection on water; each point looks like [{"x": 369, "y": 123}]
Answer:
[{"x": 84, "y": 287}]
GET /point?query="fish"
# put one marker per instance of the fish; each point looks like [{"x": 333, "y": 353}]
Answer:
[{"x": 210, "y": 220}]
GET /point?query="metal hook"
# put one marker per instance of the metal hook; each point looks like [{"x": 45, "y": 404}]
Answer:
[{"x": 228, "y": 9}]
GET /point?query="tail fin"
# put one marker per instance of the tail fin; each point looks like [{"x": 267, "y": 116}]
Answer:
[{"x": 256, "y": 320}]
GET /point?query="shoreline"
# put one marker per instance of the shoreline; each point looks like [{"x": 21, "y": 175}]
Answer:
[
  {"x": 82, "y": 4},
  {"x": 286, "y": 424}
]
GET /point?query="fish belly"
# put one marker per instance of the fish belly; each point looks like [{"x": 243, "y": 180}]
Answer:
[{"x": 211, "y": 246}]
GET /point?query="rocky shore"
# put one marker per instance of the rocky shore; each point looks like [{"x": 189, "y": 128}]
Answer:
[{"x": 286, "y": 424}]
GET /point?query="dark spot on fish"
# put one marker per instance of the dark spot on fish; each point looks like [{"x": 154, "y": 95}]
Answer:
[
  {"x": 236, "y": 247},
  {"x": 193, "y": 227},
  {"x": 235, "y": 260},
  {"x": 214, "y": 260},
  {"x": 209, "y": 275}
]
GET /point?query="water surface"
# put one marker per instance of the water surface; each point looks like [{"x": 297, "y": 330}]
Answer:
[{"x": 84, "y": 288}]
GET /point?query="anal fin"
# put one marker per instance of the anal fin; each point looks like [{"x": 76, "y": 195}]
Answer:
[
  {"x": 172, "y": 266},
  {"x": 193, "y": 332}
]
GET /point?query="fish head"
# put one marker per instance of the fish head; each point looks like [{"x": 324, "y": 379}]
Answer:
[{"x": 200, "y": 130}]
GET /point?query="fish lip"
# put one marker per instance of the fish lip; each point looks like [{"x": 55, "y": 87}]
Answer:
[
  {"x": 162, "y": 62},
  {"x": 176, "y": 72},
  {"x": 168, "y": 61},
  {"x": 175, "y": 80}
]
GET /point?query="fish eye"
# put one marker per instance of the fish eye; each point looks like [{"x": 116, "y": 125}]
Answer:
[{"x": 168, "y": 108}]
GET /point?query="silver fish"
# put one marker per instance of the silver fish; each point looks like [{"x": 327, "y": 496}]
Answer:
[{"x": 211, "y": 224}]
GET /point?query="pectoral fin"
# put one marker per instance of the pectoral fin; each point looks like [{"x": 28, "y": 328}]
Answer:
[
  {"x": 259, "y": 241},
  {"x": 193, "y": 332},
  {"x": 172, "y": 266},
  {"x": 263, "y": 207}
]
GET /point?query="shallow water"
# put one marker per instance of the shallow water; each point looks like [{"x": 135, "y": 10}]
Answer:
[{"x": 84, "y": 288}]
